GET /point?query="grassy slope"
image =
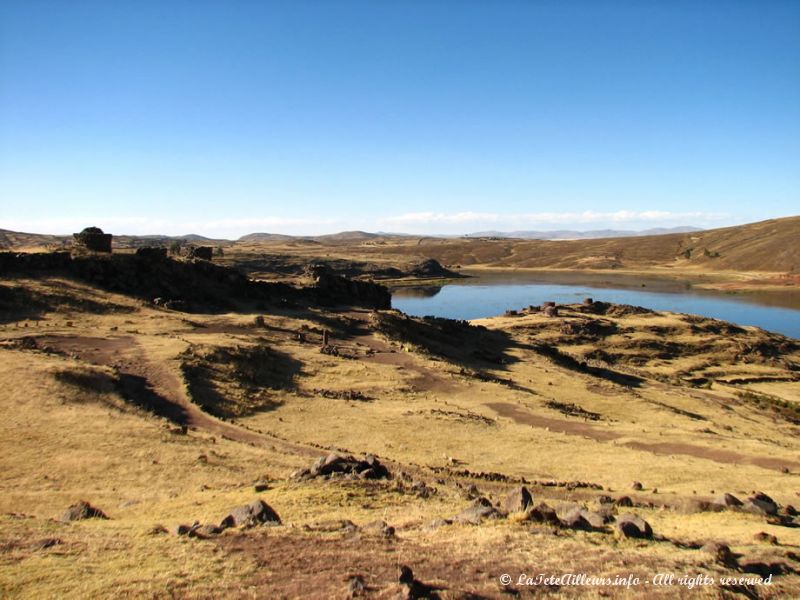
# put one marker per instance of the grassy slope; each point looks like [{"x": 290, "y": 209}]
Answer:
[{"x": 423, "y": 412}]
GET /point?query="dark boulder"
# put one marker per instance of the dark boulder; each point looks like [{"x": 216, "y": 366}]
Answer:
[
  {"x": 518, "y": 500},
  {"x": 479, "y": 510},
  {"x": 762, "y": 504},
  {"x": 632, "y": 526},
  {"x": 257, "y": 512},
  {"x": 543, "y": 513}
]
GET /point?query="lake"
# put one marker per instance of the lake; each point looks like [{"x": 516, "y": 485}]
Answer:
[{"x": 492, "y": 294}]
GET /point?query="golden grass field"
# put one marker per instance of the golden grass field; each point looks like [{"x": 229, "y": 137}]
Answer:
[{"x": 575, "y": 406}]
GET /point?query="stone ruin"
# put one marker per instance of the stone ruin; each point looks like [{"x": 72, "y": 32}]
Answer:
[
  {"x": 201, "y": 252},
  {"x": 93, "y": 239}
]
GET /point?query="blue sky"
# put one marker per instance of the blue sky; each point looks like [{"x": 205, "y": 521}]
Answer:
[{"x": 229, "y": 117}]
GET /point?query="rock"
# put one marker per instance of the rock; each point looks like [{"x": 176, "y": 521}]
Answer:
[
  {"x": 575, "y": 520},
  {"x": 481, "y": 509},
  {"x": 550, "y": 311},
  {"x": 728, "y": 500},
  {"x": 82, "y": 510},
  {"x": 518, "y": 500},
  {"x": 261, "y": 484},
  {"x": 634, "y": 527},
  {"x": 760, "y": 503},
  {"x": 543, "y": 514},
  {"x": 472, "y": 492},
  {"x": 790, "y": 510},
  {"x": 604, "y": 499},
  {"x": 763, "y": 569},
  {"x": 157, "y": 530},
  {"x": 336, "y": 464},
  {"x": 637, "y": 486},
  {"x": 205, "y": 531},
  {"x": 436, "y": 523},
  {"x": 721, "y": 553},
  {"x": 379, "y": 527},
  {"x": 416, "y": 590},
  {"x": 182, "y": 530},
  {"x": 256, "y": 513},
  {"x": 763, "y": 536},
  {"x": 623, "y": 501}
]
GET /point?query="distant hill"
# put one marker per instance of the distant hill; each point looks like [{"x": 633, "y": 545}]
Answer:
[
  {"x": 772, "y": 246},
  {"x": 15, "y": 240},
  {"x": 580, "y": 235}
]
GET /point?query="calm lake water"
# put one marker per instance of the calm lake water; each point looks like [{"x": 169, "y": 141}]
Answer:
[{"x": 490, "y": 295}]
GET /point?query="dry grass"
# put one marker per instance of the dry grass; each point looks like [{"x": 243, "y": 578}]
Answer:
[{"x": 69, "y": 432}]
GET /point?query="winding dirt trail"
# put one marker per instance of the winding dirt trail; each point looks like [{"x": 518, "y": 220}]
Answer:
[{"x": 154, "y": 385}]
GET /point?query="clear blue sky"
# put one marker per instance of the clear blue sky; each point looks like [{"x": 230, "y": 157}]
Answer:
[{"x": 229, "y": 117}]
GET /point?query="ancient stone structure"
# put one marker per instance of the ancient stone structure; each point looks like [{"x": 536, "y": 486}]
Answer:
[
  {"x": 202, "y": 252},
  {"x": 152, "y": 253},
  {"x": 93, "y": 239}
]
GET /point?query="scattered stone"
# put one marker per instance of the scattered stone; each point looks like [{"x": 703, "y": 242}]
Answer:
[
  {"x": 637, "y": 486},
  {"x": 579, "y": 518},
  {"x": 256, "y": 513},
  {"x": 543, "y": 514},
  {"x": 436, "y": 523},
  {"x": 481, "y": 509},
  {"x": 605, "y": 500},
  {"x": 623, "y": 501},
  {"x": 728, "y": 500},
  {"x": 261, "y": 484},
  {"x": 634, "y": 527},
  {"x": 518, "y": 500},
  {"x": 205, "y": 531},
  {"x": 336, "y": 464},
  {"x": 157, "y": 530},
  {"x": 760, "y": 503},
  {"x": 82, "y": 510},
  {"x": 472, "y": 492},
  {"x": 721, "y": 553},
  {"x": 763, "y": 536},
  {"x": 182, "y": 529},
  {"x": 764, "y": 569},
  {"x": 575, "y": 520},
  {"x": 333, "y": 526}
]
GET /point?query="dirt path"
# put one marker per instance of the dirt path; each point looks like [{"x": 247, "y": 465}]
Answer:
[
  {"x": 525, "y": 417},
  {"x": 155, "y": 386}
]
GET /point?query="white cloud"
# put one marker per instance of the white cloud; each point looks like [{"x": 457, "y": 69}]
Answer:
[
  {"x": 416, "y": 222},
  {"x": 553, "y": 218}
]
